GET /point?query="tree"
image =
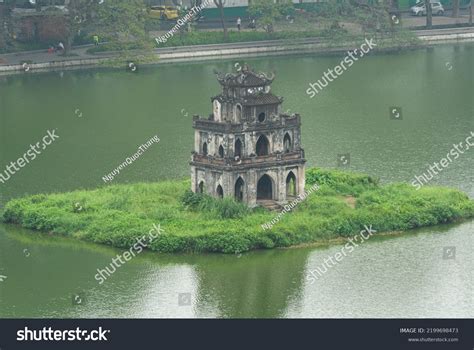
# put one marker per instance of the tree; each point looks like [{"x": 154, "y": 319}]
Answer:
[
  {"x": 471, "y": 10},
  {"x": 429, "y": 14},
  {"x": 6, "y": 23},
  {"x": 3, "y": 27},
  {"x": 394, "y": 4},
  {"x": 456, "y": 8},
  {"x": 123, "y": 21},
  {"x": 220, "y": 5},
  {"x": 79, "y": 12},
  {"x": 268, "y": 12}
]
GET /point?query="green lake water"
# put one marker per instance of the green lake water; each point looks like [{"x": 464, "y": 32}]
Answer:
[{"x": 102, "y": 116}]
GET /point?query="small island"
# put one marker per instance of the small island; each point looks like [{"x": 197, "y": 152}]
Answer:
[
  {"x": 249, "y": 189},
  {"x": 119, "y": 215}
]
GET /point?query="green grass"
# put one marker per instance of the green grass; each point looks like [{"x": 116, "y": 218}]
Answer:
[
  {"x": 117, "y": 215},
  {"x": 397, "y": 39},
  {"x": 208, "y": 37}
]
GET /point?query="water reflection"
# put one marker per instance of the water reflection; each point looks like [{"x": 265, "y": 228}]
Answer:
[{"x": 393, "y": 276}]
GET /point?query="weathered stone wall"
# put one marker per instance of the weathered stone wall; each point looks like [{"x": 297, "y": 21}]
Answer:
[
  {"x": 249, "y": 141},
  {"x": 227, "y": 180}
]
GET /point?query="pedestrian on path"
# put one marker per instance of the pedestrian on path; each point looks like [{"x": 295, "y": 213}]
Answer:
[
  {"x": 253, "y": 24},
  {"x": 61, "y": 46},
  {"x": 239, "y": 23},
  {"x": 96, "y": 40}
]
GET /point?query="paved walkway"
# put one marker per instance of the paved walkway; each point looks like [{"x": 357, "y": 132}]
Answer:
[{"x": 42, "y": 56}]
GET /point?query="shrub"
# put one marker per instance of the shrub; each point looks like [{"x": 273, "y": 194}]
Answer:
[
  {"x": 192, "y": 200},
  {"x": 226, "y": 208}
]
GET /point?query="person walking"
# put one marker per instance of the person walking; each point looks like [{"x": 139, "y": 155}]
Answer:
[
  {"x": 96, "y": 40},
  {"x": 239, "y": 23},
  {"x": 253, "y": 24}
]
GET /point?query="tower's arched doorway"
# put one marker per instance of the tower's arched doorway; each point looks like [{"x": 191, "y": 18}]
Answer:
[
  {"x": 265, "y": 188},
  {"x": 263, "y": 146},
  {"x": 201, "y": 187},
  {"x": 291, "y": 185},
  {"x": 220, "y": 192},
  {"x": 239, "y": 190},
  {"x": 238, "y": 148}
]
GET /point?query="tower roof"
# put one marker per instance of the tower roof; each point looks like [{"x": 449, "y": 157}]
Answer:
[
  {"x": 245, "y": 77},
  {"x": 262, "y": 99}
]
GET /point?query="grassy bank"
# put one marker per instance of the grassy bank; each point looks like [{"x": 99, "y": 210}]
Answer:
[
  {"x": 117, "y": 215},
  {"x": 206, "y": 38},
  {"x": 330, "y": 38}
]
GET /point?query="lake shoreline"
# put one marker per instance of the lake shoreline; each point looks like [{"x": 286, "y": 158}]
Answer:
[
  {"x": 390, "y": 234},
  {"x": 240, "y": 50},
  {"x": 316, "y": 244}
]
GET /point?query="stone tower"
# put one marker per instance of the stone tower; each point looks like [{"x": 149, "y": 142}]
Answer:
[{"x": 247, "y": 148}]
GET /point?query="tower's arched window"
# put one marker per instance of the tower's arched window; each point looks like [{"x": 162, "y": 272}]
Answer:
[
  {"x": 263, "y": 146},
  {"x": 261, "y": 117},
  {"x": 221, "y": 151},
  {"x": 238, "y": 110},
  {"x": 204, "y": 148},
  {"x": 287, "y": 145},
  {"x": 238, "y": 148}
]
